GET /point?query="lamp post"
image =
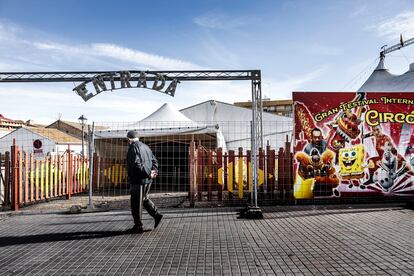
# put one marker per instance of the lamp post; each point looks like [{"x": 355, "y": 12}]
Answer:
[{"x": 82, "y": 120}]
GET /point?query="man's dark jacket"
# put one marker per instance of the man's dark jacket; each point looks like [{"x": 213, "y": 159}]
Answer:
[{"x": 140, "y": 162}]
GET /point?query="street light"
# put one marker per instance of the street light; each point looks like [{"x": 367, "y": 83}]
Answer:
[{"x": 82, "y": 120}]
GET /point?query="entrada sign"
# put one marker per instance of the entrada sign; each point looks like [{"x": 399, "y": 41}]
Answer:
[{"x": 124, "y": 79}]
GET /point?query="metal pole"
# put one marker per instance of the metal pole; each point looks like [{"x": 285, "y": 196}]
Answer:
[
  {"x": 254, "y": 144},
  {"x": 82, "y": 152},
  {"x": 91, "y": 143},
  {"x": 254, "y": 212}
]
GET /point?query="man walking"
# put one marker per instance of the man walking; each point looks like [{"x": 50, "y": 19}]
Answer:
[{"x": 142, "y": 167}]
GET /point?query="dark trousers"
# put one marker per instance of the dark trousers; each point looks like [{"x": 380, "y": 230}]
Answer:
[{"x": 139, "y": 198}]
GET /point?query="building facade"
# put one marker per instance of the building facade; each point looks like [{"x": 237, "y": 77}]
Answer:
[{"x": 278, "y": 107}]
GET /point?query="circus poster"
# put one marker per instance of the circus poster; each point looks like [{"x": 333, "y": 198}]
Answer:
[{"x": 352, "y": 144}]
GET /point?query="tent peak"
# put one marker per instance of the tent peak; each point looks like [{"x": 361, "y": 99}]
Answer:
[
  {"x": 381, "y": 65},
  {"x": 166, "y": 113}
]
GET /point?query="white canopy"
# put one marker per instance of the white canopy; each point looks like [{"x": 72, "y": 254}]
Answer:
[
  {"x": 234, "y": 122},
  {"x": 168, "y": 117},
  {"x": 164, "y": 121}
]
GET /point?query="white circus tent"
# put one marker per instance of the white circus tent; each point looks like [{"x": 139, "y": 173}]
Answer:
[
  {"x": 166, "y": 124},
  {"x": 381, "y": 80}
]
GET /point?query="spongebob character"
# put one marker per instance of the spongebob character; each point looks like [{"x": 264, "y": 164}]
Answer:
[{"x": 351, "y": 162}]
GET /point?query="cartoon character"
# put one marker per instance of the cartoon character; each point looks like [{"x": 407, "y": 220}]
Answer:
[
  {"x": 389, "y": 168},
  {"x": 387, "y": 153},
  {"x": 351, "y": 162},
  {"x": 344, "y": 129},
  {"x": 316, "y": 174},
  {"x": 345, "y": 126},
  {"x": 314, "y": 164}
]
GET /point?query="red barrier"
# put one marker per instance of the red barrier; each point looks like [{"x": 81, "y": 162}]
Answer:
[
  {"x": 261, "y": 180},
  {"x": 7, "y": 178},
  {"x": 26, "y": 182},
  {"x": 249, "y": 171},
  {"x": 69, "y": 175},
  {"x": 15, "y": 177},
  {"x": 225, "y": 173},
  {"x": 192, "y": 172},
  {"x": 231, "y": 167},
  {"x": 20, "y": 171},
  {"x": 270, "y": 172},
  {"x": 210, "y": 172},
  {"x": 200, "y": 172},
  {"x": 95, "y": 171},
  {"x": 219, "y": 170}
]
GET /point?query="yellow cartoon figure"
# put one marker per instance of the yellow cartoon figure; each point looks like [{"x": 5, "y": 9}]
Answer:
[{"x": 351, "y": 162}]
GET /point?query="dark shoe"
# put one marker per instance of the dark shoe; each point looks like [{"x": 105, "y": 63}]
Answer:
[
  {"x": 158, "y": 219},
  {"x": 135, "y": 230}
]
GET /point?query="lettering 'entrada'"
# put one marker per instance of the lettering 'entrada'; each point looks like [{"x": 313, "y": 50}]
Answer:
[{"x": 124, "y": 78}]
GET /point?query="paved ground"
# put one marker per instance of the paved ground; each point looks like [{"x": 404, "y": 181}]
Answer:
[
  {"x": 298, "y": 240},
  {"x": 165, "y": 200}
]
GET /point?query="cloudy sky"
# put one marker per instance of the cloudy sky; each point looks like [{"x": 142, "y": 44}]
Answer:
[{"x": 298, "y": 45}]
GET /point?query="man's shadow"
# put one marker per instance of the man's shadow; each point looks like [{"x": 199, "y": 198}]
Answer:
[{"x": 51, "y": 237}]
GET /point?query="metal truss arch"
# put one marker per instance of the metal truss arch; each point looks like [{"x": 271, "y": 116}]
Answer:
[{"x": 105, "y": 81}]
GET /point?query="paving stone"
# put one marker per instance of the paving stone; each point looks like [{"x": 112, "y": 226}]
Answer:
[{"x": 290, "y": 240}]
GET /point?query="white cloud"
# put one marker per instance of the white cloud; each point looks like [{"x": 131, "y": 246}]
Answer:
[
  {"x": 49, "y": 46},
  {"x": 218, "y": 21},
  {"x": 148, "y": 61},
  {"x": 217, "y": 54},
  {"x": 43, "y": 102},
  {"x": 402, "y": 23},
  {"x": 139, "y": 57},
  {"x": 45, "y": 53},
  {"x": 8, "y": 31},
  {"x": 359, "y": 10}
]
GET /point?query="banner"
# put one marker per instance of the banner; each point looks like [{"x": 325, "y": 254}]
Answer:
[{"x": 353, "y": 144}]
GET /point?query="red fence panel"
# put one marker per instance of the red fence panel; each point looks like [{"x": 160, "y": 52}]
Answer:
[{"x": 220, "y": 177}]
